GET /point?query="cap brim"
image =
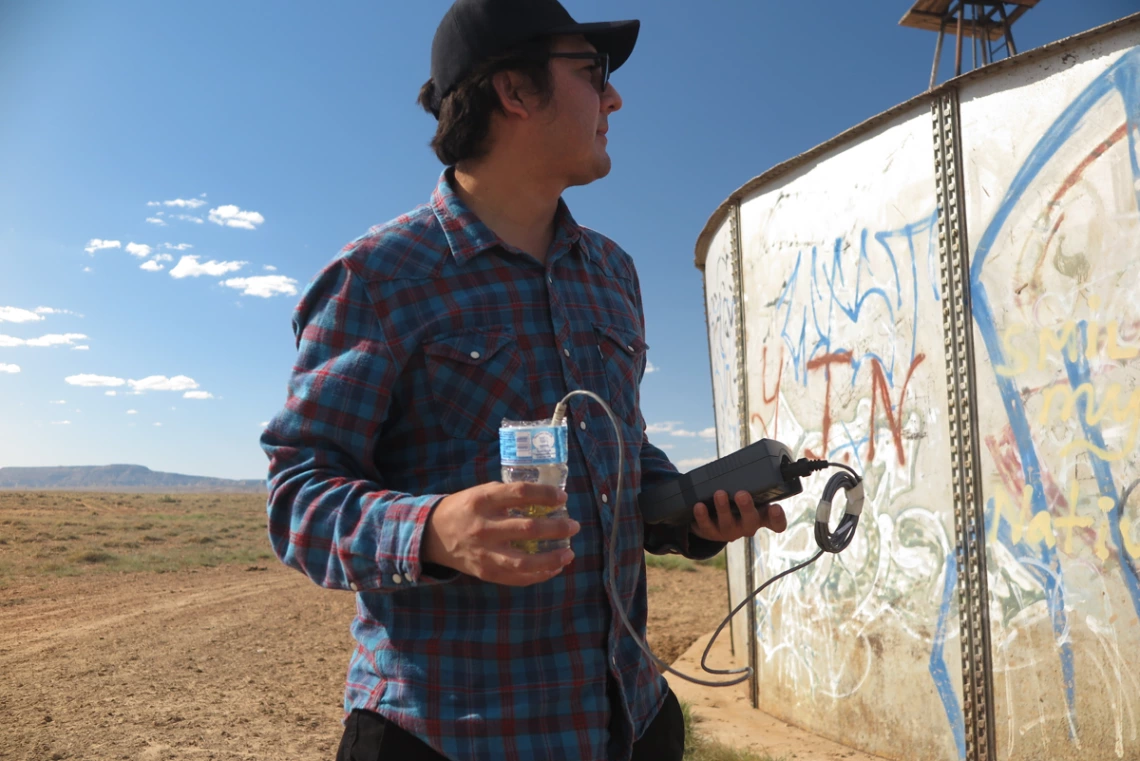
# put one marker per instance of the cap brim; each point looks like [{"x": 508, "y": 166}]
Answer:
[{"x": 614, "y": 37}]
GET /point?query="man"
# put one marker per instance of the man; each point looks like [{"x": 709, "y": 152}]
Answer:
[{"x": 489, "y": 302}]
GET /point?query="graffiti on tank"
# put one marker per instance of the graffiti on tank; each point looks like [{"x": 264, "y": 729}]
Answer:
[
  {"x": 722, "y": 316},
  {"x": 868, "y": 290},
  {"x": 1053, "y": 281},
  {"x": 845, "y": 339}
]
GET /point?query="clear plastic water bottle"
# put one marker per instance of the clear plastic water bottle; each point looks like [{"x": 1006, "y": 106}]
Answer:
[{"x": 535, "y": 452}]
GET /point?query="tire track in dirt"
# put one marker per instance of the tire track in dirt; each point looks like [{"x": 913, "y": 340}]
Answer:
[{"x": 39, "y": 627}]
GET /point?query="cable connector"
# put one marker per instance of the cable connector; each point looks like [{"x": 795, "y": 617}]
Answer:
[
  {"x": 801, "y": 467},
  {"x": 559, "y": 412}
]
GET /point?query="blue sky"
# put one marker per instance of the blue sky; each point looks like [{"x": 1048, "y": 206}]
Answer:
[{"x": 231, "y": 149}]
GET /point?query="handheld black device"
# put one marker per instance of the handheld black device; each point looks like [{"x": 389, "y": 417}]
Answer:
[{"x": 758, "y": 469}]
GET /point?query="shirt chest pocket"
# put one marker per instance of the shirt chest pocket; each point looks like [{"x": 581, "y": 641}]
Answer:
[
  {"x": 476, "y": 380},
  {"x": 623, "y": 361}
]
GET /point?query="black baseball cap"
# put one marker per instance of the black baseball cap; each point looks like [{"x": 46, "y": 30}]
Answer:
[{"x": 473, "y": 31}]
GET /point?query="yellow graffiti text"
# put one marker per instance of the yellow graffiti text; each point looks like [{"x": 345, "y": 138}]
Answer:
[
  {"x": 1110, "y": 408},
  {"x": 1045, "y": 527},
  {"x": 1064, "y": 342}
]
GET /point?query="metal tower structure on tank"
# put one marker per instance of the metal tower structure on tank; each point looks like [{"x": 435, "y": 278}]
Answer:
[{"x": 989, "y": 25}]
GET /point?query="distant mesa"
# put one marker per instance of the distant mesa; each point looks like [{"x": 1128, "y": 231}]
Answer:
[{"x": 132, "y": 478}]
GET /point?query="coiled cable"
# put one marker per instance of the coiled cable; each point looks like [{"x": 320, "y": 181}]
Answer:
[{"x": 827, "y": 540}]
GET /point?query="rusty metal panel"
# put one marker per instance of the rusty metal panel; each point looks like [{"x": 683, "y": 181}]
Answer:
[
  {"x": 846, "y": 360},
  {"x": 1052, "y": 161}
]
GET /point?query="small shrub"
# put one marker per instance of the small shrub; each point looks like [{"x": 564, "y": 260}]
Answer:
[{"x": 93, "y": 556}]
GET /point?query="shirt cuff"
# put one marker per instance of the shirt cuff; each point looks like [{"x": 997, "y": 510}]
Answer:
[
  {"x": 679, "y": 540},
  {"x": 399, "y": 559}
]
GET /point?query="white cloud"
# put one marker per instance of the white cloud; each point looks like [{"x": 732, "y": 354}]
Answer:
[
  {"x": 158, "y": 425},
  {"x": 51, "y": 339},
  {"x": 708, "y": 433},
  {"x": 49, "y": 310},
  {"x": 138, "y": 249},
  {"x": 693, "y": 462},
  {"x": 264, "y": 286},
  {"x": 81, "y": 348},
  {"x": 163, "y": 258},
  {"x": 231, "y": 216},
  {"x": 671, "y": 427},
  {"x": 179, "y": 247},
  {"x": 87, "y": 269},
  {"x": 91, "y": 381},
  {"x": 650, "y": 367},
  {"x": 162, "y": 383},
  {"x": 197, "y": 395},
  {"x": 192, "y": 203},
  {"x": 132, "y": 412},
  {"x": 156, "y": 221},
  {"x": 153, "y": 203},
  {"x": 665, "y": 446},
  {"x": 189, "y": 218},
  {"x": 151, "y": 266},
  {"x": 11, "y": 369},
  {"x": 15, "y": 314},
  {"x": 112, "y": 393},
  {"x": 189, "y": 266},
  {"x": 95, "y": 244},
  {"x": 265, "y": 424},
  {"x": 59, "y": 401},
  {"x": 61, "y": 422},
  {"x": 270, "y": 268}
]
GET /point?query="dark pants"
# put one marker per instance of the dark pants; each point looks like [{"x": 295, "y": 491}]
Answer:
[{"x": 369, "y": 737}]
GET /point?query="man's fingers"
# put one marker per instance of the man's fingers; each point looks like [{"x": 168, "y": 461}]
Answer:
[
  {"x": 518, "y": 568},
  {"x": 776, "y": 520},
  {"x": 529, "y": 529},
  {"x": 725, "y": 520},
  {"x": 703, "y": 521},
  {"x": 750, "y": 518},
  {"x": 497, "y": 498}
]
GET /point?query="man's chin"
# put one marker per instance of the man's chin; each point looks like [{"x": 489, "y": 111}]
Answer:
[{"x": 597, "y": 169}]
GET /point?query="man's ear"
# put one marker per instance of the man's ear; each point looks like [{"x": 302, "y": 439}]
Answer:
[{"x": 514, "y": 94}]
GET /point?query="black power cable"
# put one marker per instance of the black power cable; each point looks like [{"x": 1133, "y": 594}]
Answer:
[{"x": 827, "y": 540}]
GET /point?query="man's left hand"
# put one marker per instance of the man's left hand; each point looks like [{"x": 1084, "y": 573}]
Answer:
[{"x": 727, "y": 527}]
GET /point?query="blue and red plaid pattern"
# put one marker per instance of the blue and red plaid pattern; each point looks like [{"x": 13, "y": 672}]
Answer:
[{"x": 413, "y": 344}]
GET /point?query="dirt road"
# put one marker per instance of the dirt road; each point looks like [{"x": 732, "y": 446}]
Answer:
[{"x": 218, "y": 663}]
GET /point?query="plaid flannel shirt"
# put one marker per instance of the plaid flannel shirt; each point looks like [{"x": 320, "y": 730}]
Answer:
[{"x": 413, "y": 344}]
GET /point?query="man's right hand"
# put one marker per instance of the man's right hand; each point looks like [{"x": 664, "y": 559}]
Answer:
[{"x": 471, "y": 531}]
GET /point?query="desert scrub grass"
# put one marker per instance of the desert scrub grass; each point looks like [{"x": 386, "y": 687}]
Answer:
[
  {"x": 85, "y": 533},
  {"x": 670, "y": 562},
  {"x": 701, "y": 747},
  {"x": 718, "y": 561}
]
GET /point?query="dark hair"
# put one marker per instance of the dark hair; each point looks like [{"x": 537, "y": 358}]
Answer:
[{"x": 465, "y": 113}]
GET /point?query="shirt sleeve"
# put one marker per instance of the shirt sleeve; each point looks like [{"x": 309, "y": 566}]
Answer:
[
  {"x": 330, "y": 514},
  {"x": 655, "y": 469}
]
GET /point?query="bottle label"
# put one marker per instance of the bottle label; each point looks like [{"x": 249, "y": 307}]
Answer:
[{"x": 532, "y": 445}]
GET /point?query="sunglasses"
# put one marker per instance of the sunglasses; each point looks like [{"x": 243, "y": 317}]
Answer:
[{"x": 599, "y": 73}]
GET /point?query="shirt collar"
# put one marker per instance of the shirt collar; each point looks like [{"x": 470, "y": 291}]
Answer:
[{"x": 468, "y": 237}]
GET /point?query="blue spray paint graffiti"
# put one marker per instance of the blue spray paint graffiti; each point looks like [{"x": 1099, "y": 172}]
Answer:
[
  {"x": 938, "y": 671},
  {"x": 1122, "y": 78},
  {"x": 829, "y": 273}
]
